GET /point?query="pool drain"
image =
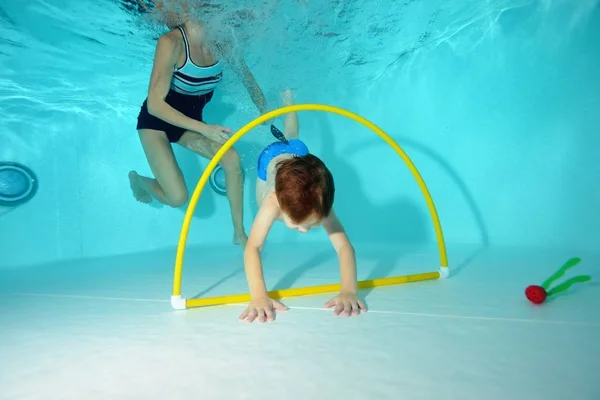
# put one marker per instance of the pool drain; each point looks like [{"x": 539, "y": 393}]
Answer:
[
  {"x": 18, "y": 184},
  {"x": 217, "y": 181}
]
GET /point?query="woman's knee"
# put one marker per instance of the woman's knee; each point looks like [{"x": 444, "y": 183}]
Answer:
[
  {"x": 178, "y": 197},
  {"x": 231, "y": 161}
]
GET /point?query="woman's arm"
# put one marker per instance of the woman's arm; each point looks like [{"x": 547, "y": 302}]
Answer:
[
  {"x": 165, "y": 58},
  {"x": 254, "y": 90},
  {"x": 239, "y": 66}
]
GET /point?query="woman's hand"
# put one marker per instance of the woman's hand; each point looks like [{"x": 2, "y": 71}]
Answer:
[
  {"x": 217, "y": 133},
  {"x": 349, "y": 303},
  {"x": 262, "y": 308}
]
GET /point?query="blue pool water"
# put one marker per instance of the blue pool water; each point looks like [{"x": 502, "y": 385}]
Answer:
[{"x": 496, "y": 103}]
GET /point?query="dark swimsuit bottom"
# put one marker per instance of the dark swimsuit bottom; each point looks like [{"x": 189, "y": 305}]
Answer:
[{"x": 190, "y": 106}]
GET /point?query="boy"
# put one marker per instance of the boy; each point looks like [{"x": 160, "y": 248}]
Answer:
[{"x": 295, "y": 187}]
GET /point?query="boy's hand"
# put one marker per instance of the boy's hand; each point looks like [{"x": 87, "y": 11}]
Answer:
[
  {"x": 262, "y": 308},
  {"x": 349, "y": 303}
]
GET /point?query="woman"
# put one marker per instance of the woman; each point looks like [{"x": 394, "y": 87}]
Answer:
[{"x": 185, "y": 73}]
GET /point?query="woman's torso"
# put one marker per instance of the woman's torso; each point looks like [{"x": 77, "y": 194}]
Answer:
[{"x": 197, "y": 72}]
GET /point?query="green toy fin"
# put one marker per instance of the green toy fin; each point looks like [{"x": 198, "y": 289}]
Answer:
[
  {"x": 567, "y": 284},
  {"x": 569, "y": 264}
]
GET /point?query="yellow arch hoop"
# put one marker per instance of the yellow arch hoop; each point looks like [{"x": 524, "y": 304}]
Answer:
[{"x": 180, "y": 303}]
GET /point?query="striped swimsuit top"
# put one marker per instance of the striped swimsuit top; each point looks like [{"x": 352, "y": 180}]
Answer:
[{"x": 192, "y": 79}]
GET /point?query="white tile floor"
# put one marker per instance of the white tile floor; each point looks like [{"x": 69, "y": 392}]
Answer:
[{"x": 104, "y": 329}]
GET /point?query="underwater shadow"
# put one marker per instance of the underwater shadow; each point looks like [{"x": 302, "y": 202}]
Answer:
[
  {"x": 288, "y": 280},
  {"x": 382, "y": 269},
  {"x": 477, "y": 214},
  {"x": 454, "y": 271},
  {"x": 397, "y": 221},
  {"x": 285, "y": 282},
  {"x": 219, "y": 283}
]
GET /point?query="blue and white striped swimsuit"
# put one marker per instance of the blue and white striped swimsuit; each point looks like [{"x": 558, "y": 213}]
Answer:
[
  {"x": 192, "y": 87},
  {"x": 192, "y": 79}
]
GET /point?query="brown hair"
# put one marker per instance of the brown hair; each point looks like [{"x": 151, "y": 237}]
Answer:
[{"x": 303, "y": 186}]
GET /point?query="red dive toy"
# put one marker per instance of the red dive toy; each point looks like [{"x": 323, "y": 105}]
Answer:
[{"x": 538, "y": 294}]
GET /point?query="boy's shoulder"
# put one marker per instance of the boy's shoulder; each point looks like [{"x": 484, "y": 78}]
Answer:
[{"x": 270, "y": 208}]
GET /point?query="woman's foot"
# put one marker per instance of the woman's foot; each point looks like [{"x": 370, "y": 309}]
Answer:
[
  {"x": 240, "y": 238},
  {"x": 287, "y": 96},
  {"x": 139, "y": 192}
]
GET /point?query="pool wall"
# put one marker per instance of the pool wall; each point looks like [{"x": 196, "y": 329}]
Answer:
[{"x": 506, "y": 135}]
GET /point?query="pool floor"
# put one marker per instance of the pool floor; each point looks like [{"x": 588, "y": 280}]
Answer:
[{"x": 104, "y": 329}]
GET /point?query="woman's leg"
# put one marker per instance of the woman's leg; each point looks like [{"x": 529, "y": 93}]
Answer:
[
  {"x": 168, "y": 187},
  {"x": 291, "y": 119},
  {"x": 233, "y": 178}
]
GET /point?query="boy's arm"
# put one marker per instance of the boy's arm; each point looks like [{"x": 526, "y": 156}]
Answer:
[
  {"x": 345, "y": 252},
  {"x": 261, "y": 226}
]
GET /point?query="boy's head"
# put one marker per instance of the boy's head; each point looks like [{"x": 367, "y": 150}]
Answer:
[{"x": 304, "y": 188}]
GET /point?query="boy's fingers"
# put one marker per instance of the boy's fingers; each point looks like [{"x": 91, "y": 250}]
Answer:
[
  {"x": 279, "y": 306},
  {"x": 339, "y": 308},
  {"x": 348, "y": 308},
  {"x": 261, "y": 315},
  {"x": 362, "y": 306},
  {"x": 252, "y": 315},
  {"x": 269, "y": 314}
]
